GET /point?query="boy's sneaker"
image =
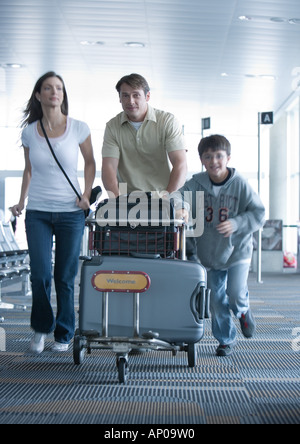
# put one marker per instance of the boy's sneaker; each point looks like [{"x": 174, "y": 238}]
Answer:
[
  {"x": 248, "y": 325},
  {"x": 38, "y": 343},
  {"x": 60, "y": 348},
  {"x": 225, "y": 350}
]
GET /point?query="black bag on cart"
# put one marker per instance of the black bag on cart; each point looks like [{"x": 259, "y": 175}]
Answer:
[{"x": 138, "y": 223}]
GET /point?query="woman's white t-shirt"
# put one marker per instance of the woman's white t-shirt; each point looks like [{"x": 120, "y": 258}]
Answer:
[{"x": 49, "y": 189}]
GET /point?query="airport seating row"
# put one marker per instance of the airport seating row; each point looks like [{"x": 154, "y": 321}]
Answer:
[{"x": 14, "y": 266}]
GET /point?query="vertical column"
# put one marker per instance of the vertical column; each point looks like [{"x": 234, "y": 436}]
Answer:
[
  {"x": 2, "y": 194},
  {"x": 298, "y": 258},
  {"x": 278, "y": 169},
  {"x": 299, "y": 169}
]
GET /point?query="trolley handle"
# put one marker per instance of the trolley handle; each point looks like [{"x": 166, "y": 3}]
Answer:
[{"x": 139, "y": 223}]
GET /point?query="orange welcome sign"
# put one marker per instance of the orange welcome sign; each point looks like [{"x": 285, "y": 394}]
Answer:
[{"x": 121, "y": 281}]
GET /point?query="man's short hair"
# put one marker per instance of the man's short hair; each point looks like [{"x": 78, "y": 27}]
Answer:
[
  {"x": 214, "y": 143},
  {"x": 135, "y": 81}
]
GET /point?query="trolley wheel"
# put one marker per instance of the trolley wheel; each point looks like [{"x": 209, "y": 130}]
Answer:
[
  {"x": 78, "y": 350},
  {"x": 122, "y": 369},
  {"x": 191, "y": 351}
]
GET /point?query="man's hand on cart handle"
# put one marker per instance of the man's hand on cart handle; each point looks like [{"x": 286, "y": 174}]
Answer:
[{"x": 183, "y": 214}]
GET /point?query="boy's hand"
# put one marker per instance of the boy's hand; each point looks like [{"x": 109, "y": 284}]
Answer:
[{"x": 226, "y": 228}]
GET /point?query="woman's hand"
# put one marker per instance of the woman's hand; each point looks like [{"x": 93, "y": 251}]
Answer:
[
  {"x": 17, "y": 209},
  {"x": 84, "y": 203}
]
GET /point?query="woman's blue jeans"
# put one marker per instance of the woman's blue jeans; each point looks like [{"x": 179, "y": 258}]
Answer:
[
  {"x": 68, "y": 231},
  {"x": 229, "y": 291}
]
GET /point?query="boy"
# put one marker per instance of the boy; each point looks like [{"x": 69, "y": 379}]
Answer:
[{"x": 233, "y": 212}]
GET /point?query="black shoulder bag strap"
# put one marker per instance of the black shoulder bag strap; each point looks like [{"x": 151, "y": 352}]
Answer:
[{"x": 57, "y": 161}]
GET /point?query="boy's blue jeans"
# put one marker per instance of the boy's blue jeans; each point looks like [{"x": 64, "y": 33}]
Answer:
[
  {"x": 68, "y": 230},
  {"x": 229, "y": 291}
]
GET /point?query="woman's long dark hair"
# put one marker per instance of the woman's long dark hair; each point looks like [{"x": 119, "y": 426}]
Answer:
[{"x": 33, "y": 111}]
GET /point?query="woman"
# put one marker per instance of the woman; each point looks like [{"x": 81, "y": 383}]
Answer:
[{"x": 53, "y": 208}]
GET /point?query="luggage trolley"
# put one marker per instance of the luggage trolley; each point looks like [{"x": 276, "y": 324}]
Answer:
[{"x": 123, "y": 291}]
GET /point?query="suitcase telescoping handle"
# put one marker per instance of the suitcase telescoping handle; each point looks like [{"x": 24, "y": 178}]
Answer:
[{"x": 183, "y": 241}]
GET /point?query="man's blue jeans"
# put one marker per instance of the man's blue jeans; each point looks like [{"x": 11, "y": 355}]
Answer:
[
  {"x": 229, "y": 291},
  {"x": 68, "y": 230}
]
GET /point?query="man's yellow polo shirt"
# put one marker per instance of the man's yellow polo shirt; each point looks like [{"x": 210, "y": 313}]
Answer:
[{"x": 143, "y": 155}]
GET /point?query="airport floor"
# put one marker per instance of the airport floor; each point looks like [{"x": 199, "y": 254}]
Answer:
[{"x": 259, "y": 384}]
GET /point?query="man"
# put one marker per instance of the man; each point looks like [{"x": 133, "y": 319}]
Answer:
[{"x": 141, "y": 142}]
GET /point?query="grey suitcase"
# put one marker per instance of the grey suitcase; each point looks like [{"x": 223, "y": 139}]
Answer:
[{"x": 166, "y": 312}]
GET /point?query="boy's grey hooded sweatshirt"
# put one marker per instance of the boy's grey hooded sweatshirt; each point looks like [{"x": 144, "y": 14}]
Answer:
[{"x": 236, "y": 201}]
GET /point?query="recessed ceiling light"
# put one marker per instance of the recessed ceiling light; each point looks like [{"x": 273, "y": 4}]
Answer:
[
  {"x": 278, "y": 19},
  {"x": 12, "y": 65},
  {"x": 224, "y": 74},
  {"x": 134, "y": 45},
  {"x": 245, "y": 18},
  {"x": 92, "y": 43},
  {"x": 267, "y": 77},
  {"x": 261, "y": 76},
  {"x": 265, "y": 19}
]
